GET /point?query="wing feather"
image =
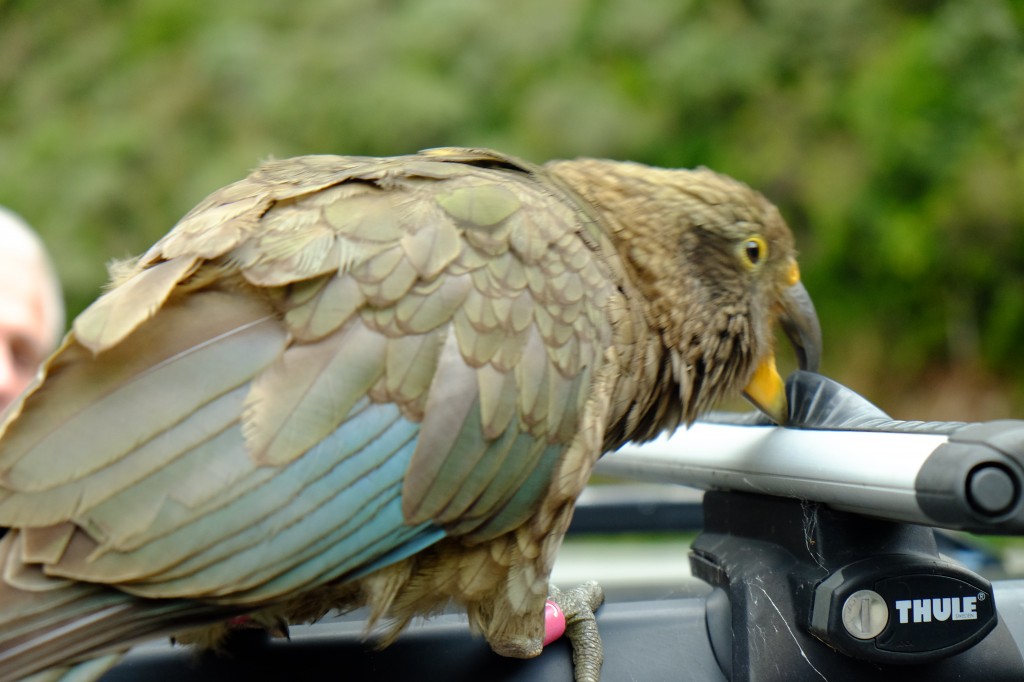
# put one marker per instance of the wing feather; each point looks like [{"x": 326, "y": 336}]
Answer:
[
  {"x": 322, "y": 369},
  {"x": 335, "y": 300},
  {"x": 309, "y": 391},
  {"x": 449, "y": 406},
  {"x": 75, "y": 498},
  {"x": 92, "y": 411},
  {"x": 115, "y": 315}
]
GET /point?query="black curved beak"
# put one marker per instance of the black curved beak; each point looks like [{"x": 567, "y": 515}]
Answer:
[
  {"x": 800, "y": 322},
  {"x": 766, "y": 390}
]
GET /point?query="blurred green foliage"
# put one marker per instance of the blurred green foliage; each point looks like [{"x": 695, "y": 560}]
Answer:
[{"x": 890, "y": 134}]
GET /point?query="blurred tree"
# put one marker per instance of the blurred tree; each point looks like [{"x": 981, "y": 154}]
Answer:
[{"x": 890, "y": 134}]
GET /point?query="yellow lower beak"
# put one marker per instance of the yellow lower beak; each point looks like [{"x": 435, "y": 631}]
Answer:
[{"x": 767, "y": 390}]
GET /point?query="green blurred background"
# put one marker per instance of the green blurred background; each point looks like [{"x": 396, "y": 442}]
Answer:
[{"x": 890, "y": 134}]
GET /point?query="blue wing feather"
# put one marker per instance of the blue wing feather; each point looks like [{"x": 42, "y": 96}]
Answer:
[{"x": 331, "y": 511}]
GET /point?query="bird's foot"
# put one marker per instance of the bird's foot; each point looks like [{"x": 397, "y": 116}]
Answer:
[{"x": 572, "y": 612}]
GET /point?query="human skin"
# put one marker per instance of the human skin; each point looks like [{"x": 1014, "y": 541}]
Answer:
[
  {"x": 24, "y": 337},
  {"x": 31, "y": 311}
]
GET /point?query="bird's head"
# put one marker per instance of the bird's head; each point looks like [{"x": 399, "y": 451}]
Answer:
[
  {"x": 743, "y": 264},
  {"x": 717, "y": 266}
]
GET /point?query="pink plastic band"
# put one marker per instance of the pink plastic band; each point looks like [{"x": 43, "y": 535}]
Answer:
[{"x": 554, "y": 622}]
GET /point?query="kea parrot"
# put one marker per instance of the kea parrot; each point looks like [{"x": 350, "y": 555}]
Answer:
[{"x": 382, "y": 382}]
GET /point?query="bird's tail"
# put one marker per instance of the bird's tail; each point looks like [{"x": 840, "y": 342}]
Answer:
[{"x": 50, "y": 622}]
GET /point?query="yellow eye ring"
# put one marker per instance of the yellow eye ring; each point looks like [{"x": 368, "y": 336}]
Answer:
[{"x": 753, "y": 251}]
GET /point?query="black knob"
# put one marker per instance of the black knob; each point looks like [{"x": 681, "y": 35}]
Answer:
[{"x": 991, "y": 489}]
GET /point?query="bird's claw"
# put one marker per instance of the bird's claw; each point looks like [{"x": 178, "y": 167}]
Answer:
[{"x": 578, "y": 606}]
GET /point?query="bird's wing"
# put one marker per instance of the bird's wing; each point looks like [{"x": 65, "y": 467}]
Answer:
[{"x": 323, "y": 368}]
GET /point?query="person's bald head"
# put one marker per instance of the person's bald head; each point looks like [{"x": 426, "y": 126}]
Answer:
[{"x": 31, "y": 306}]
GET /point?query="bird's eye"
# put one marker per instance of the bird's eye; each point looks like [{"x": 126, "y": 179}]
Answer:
[{"x": 754, "y": 251}]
